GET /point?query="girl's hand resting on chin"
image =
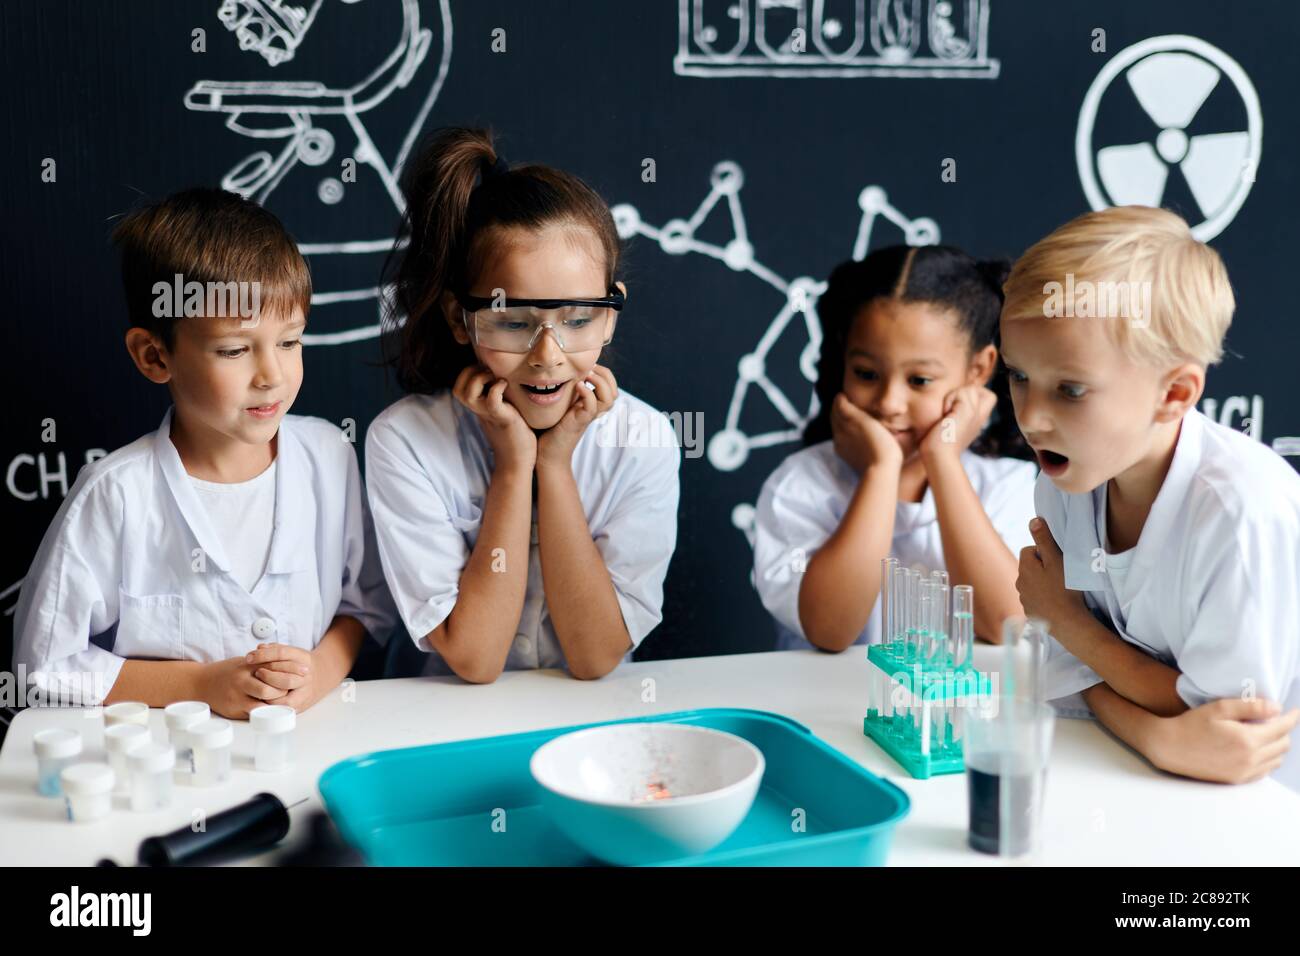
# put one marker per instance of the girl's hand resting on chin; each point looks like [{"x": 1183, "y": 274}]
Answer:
[
  {"x": 514, "y": 446},
  {"x": 556, "y": 444}
]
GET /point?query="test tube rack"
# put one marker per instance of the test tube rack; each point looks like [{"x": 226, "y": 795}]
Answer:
[{"x": 921, "y": 676}]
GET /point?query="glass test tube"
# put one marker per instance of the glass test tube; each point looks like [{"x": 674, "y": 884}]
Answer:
[
  {"x": 879, "y": 685},
  {"x": 931, "y": 634},
  {"x": 887, "y": 602},
  {"x": 963, "y": 624},
  {"x": 900, "y": 611},
  {"x": 962, "y": 642},
  {"x": 944, "y": 616},
  {"x": 1024, "y": 643},
  {"x": 939, "y": 625},
  {"x": 914, "y": 624},
  {"x": 925, "y": 638},
  {"x": 924, "y": 606}
]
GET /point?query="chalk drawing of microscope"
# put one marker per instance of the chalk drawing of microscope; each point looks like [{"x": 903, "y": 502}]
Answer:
[{"x": 294, "y": 112}]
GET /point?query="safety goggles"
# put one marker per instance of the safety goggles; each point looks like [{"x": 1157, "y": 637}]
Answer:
[{"x": 514, "y": 325}]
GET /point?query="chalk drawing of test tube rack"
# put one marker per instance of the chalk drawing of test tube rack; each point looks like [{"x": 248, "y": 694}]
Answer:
[
  {"x": 274, "y": 29},
  {"x": 835, "y": 38}
]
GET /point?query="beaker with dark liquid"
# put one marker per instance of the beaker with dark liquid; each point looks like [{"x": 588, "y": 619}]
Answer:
[{"x": 1006, "y": 754}]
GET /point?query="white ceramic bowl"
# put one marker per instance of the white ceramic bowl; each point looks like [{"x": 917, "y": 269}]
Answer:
[{"x": 647, "y": 792}]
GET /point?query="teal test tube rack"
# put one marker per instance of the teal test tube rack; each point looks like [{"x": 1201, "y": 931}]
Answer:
[{"x": 921, "y": 677}]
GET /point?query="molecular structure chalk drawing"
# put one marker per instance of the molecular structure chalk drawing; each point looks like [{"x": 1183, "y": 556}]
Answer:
[
  {"x": 298, "y": 112},
  {"x": 834, "y": 38},
  {"x": 730, "y": 447},
  {"x": 1172, "y": 77}
]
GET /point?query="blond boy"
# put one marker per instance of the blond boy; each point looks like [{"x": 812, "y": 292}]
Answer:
[{"x": 1169, "y": 565}]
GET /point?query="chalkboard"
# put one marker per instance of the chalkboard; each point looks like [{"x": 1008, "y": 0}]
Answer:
[{"x": 746, "y": 146}]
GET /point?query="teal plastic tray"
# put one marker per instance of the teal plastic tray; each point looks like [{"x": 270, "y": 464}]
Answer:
[{"x": 474, "y": 802}]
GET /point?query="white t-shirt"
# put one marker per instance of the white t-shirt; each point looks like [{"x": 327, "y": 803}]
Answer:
[
  {"x": 804, "y": 501},
  {"x": 1117, "y": 563},
  {"x": 242, "y": 514},
  {"x": 428, "y": 467},
  {"x": 1212, "y": 586}
]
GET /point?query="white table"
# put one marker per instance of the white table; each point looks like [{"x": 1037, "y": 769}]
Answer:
[{"x": 1104, "y": 804}]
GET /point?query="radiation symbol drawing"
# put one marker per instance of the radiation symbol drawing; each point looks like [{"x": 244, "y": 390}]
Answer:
[{"x": 1172, "y": 77}]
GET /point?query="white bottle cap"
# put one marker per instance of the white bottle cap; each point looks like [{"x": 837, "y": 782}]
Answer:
[
  {"x": 152, "y": 758},
  {"x": 212, "y": 734},
  {"x": 272, "y": 719},
  {"x": 184, "y": 714},
  {"x": 127, "y": 712},
  {"x": 123, "y": 738},
  {"x": 56, "y": 742},
  {"x": 87, "y": 779}
]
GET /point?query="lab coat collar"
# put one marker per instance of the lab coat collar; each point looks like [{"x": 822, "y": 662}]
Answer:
[
  {"x": 1085, "y": 513},
  {"x": 187, "y": 500},
  {"x": 1167, "y": 510},
  {"x": 1080, "y": 550},
  {"x": 291, "y": 539}
]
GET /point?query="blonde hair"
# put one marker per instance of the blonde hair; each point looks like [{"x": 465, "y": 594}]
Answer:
[{"x": 1182, "y": 281}]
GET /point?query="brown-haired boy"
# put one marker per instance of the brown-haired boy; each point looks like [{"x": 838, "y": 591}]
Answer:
[{"x": 228, "y": 556}]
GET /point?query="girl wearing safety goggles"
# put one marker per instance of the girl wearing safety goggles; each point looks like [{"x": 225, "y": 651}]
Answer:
[{"x": 513, "y": 533}]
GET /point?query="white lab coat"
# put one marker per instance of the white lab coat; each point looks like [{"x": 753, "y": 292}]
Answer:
[
  {"x": 428, "y": 466},
  {"x": 804, "y": 501},
  {"x": 1213, "y": 584},
  {"x": 132, "y": 560}
]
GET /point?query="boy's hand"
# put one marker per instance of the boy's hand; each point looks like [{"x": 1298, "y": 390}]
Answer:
[
  {"x": 289, "y": 670},
  {"x": 1041, "y": 583},
  {"x": 513, "y": 444},
  {"x": 965, "y": 412},
  {"x": 555, "y": 446},
  {"x": 230, "y": 688},
  {"x": 1215, "y": 742},
  {"x": 861, "y": 440}
]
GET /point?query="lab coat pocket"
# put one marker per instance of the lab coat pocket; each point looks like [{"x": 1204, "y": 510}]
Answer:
[
  {"x": 468, "y": 524},
  {"x": 150, "y": 625}
]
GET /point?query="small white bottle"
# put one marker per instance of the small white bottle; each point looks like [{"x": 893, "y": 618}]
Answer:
[
  {"x": 180, "y": 717},
  {"x": 126, "y": 712},
  {"x": 272, "y": 726},
  {"x": 151, "y": 776},
  {"x": 120, "y": 740},
  {"x": 87, "y": 791},
  {"x": 56, "y": 748},
  {"x": 210, "y": 742}
]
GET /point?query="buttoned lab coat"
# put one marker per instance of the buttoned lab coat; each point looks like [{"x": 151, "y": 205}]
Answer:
[{"x": 132, "y": 561}]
